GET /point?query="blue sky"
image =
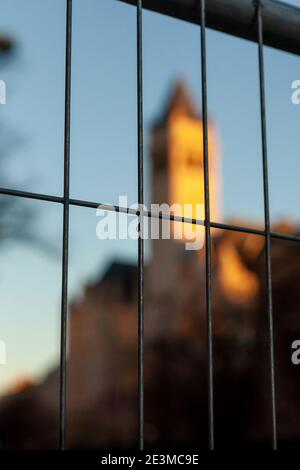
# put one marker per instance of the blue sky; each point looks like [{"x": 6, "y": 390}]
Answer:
[{"x": 103, "y": 142}]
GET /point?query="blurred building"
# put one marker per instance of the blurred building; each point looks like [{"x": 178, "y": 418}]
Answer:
[{"x": 102, "y": 364}]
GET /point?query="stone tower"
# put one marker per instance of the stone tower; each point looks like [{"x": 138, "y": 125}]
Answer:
[{"x": 178, "y": 177}]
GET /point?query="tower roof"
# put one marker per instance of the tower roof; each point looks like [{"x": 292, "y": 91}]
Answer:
[{"x": 179, "y": 100}]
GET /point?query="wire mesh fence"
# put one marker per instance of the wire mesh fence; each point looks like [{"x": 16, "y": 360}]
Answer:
[{"x": 265, "y": 22}]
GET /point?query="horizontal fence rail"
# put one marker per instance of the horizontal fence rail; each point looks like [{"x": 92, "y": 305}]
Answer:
[
  {"x": 136, "y": 212},
  {"x": 238, "y": 17}
]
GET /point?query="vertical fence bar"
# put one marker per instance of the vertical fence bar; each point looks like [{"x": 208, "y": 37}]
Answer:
[
  {"x": 141, "y": 222},
  {"x": 267, "y": 220},
  {"x": 207, "y": 230},
  {"x": 65, "y": 242}
]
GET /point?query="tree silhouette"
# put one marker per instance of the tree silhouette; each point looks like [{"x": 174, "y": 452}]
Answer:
[{"x": 16, "y": 218}]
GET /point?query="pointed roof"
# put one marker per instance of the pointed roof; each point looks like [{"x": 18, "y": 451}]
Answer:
[{"x": 178, "y": 100}]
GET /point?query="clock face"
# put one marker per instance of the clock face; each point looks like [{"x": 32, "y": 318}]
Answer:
[{"x": 186, "y": 175}]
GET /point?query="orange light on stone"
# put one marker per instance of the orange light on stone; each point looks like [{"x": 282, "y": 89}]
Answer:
[{"x": 186, "y": 172}]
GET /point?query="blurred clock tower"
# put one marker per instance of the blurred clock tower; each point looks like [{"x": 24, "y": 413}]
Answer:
[{"x": 178, "y": 178}]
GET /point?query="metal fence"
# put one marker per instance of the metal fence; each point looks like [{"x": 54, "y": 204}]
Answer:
[{"x": 263, "y": 21}]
